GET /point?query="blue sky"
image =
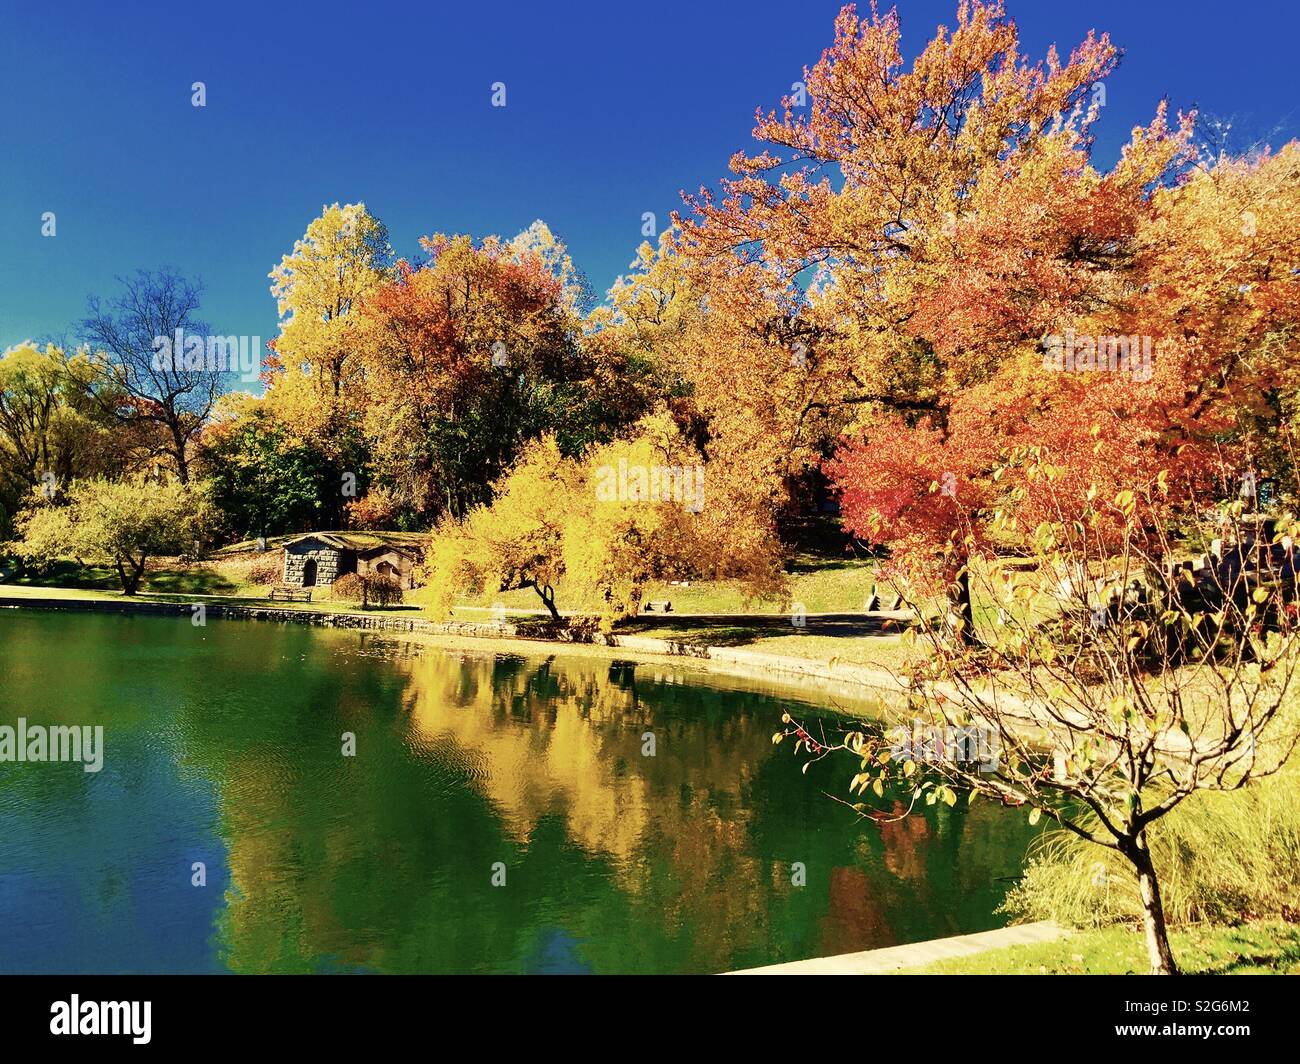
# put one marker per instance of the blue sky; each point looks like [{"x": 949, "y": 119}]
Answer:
[{"x": 612, "y": 109}]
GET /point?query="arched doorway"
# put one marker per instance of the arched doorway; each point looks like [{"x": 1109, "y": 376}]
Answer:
[
  {"x": 386, "y": 569},
  {"x": 309, "y": 573}
]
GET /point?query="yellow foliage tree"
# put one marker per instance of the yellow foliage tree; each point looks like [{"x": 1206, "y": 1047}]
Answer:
[
  {"x": 515, "y": 543},
  {"x": 118, "y": 523},
  {"x": 626, "y": 513},
  {"x": 340, "y": 259}
]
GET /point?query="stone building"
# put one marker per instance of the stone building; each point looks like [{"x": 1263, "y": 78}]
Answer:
[
  {"x": 393, "y": 560},
  {"x": 317, "y": 559}
]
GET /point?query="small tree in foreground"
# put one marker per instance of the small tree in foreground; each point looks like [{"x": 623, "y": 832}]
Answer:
[
  {"x": 1107, "y": 685},
  {"x": 117, "y": 523}
]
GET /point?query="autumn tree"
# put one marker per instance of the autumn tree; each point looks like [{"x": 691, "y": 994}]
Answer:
[
  {"x": 52, "y": 429},
  {"x": 315, "y": 381},
  {"x": 914, "y": 230},
  {"x": 1202, "y": 312},
  {"x": 625, "y": 513},
  {"x": 744, "y": 388},
  {"x": 516, "y": 543},
  {"x": 342, "y": 258},
  {"x": 1105, "y": 700},
  {"x": 470, "y": 355},
  {"x": 641, "y": 517},
  {"x": 118, "y": 523}
]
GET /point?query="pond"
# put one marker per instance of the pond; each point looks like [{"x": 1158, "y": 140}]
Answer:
[{"x": 497, "y": 812}]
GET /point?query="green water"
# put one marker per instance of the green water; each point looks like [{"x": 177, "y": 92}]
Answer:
[{"x": 224, "y": 745}]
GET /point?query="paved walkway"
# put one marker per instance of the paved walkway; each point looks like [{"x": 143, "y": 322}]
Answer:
[{"x": 895, "y": 958}]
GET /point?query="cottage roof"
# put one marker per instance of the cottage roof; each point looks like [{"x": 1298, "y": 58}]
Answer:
[
  {"x": 390, "y": 548},
  {"x": 330, "y": 539},
  {"x": 363, "y": 542}
]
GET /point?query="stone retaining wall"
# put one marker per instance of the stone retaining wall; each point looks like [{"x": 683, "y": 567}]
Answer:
[{"x": 320, "y": 618}]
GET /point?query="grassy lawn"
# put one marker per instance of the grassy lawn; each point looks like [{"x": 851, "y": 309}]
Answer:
[
  {"x": 884, "y": 651},
  {"x": 167, "y": 581},
  {"x": 161, "y": 578},
  {"x": 1258, "y": 948},
  {"x": 71, "y": 576},
  {"x": 782, "y": 638},
  {"x": 821, "y": 585}
]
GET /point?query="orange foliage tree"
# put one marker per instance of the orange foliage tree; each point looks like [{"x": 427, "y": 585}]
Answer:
[
  {"x": 470, "y": 356},
  {"x": 934, "y": 242}
]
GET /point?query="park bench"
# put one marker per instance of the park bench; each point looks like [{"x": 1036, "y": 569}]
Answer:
[
  {"x": 659, "y": 607},
  {"x": 291, "y": 594},
  {"x": 876, "y": 602}
]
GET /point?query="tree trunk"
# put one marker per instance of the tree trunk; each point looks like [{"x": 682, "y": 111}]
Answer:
[
  {"x": 178, "y": 453},
  {"x": 130, "y": 578},
  {"x": 1153, "y": 911},
  {"x": 547, "y": 595},
  {"x": 960, "y": 606}
]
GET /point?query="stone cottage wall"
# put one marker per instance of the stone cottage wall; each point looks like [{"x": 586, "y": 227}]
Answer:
[{"x": 327, "y": 565}]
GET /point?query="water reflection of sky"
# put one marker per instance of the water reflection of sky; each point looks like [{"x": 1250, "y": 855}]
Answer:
[{"x": 96, "y": 868}]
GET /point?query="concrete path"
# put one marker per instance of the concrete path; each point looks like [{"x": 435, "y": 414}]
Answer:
[{"x": 915, "y": 954}]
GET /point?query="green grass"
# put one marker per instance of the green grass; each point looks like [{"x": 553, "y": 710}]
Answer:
[
  {"x": 71, "y": 575},
  {"x": 821, "y": 585},
  {"x": 882, "y": 652},
  {"x": 1260, "y": 947},
  {"x": 189, "y": 580},
  {"x": 818, "y": 584},
  {"x": 183, "y": 585},
  {"x": 39, "y": 591}
]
